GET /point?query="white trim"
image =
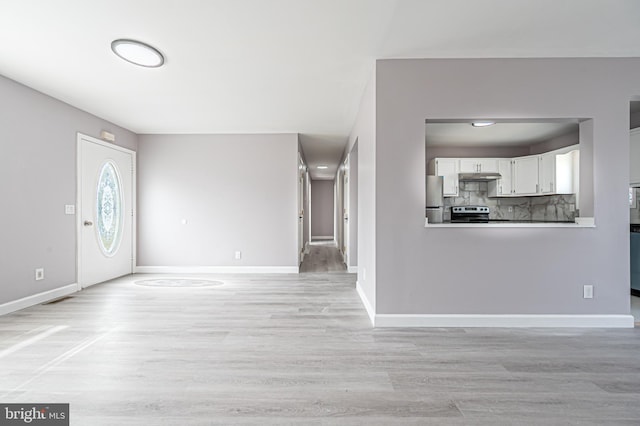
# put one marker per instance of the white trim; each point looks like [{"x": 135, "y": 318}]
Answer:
[
  {"x": 38, "y": 298},
  {"x": 322, "y": 237},
  {"x": 216, "y": 270},
  {"x": 367, "y": 306},
  {"x": 352, "y": 269},
  {"x": 446, "y": 320}
]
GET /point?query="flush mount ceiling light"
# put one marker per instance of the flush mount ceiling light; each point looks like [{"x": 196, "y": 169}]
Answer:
[
  {"x": 137, "y": 53},
  {"x": 482, "y": 123},
  {"x": 322, "y": 167}
]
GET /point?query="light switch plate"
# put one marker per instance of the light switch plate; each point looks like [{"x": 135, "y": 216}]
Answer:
[
  {"x": 588, "y": 292},
  {"x": 69, "y": 209}
]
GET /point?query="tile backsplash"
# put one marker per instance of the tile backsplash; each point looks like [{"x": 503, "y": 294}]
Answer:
[{"x": 551, "y": 208}]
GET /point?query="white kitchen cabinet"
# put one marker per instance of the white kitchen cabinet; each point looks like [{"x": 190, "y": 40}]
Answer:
[
  {"x": 554, "y": 172},
  {"x": 488, "y": 165},
  {"x": 634, "y": 157},
  {"x": 448, "y": 168},
  {"x": 478, "y": 165},
  {"x": 525, "y": 175},
  {"x": 567, "y": 172},
  {"x": 559, "y": 171},
  {"x": 502, "y": 187},
  {"x": 468, "y": 165},
  {"x": 547, "y": 173}
]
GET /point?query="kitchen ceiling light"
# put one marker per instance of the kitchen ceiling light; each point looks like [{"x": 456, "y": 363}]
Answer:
[
  {"x": 137, "y": 53},
  {"x": 322, "y": 167},
  {"x": 482, "y": 123}
]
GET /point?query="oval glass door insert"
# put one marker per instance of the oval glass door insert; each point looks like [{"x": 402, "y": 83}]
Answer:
[{"x": 109, "y": 209}]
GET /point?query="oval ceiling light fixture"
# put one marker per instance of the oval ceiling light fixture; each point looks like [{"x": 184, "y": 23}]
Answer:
[
  {"x": 482, "y": 123},
  {"x": 322, "y": 167},
  {"x": 137, "y": 53}
]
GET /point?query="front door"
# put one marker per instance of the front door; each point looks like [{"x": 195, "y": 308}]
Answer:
[{"x": 105, "y": 211}]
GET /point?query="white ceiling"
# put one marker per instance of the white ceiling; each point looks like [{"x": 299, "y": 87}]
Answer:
[{"x": 255, "y": 66}]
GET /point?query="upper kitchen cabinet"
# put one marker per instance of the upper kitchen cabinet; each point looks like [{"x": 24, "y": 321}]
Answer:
[
  {"x": 525, "y": 175},
  {"x": 566, "y": 177},
  {"x": 634, "y": 159},
  {"x": 559, "y": 171},
  {"x": 547, "y": 173},
  {"x": 478, "y": 165},
  {"x": 448, "y": 168},
  {"x": 502, "y": 187}
]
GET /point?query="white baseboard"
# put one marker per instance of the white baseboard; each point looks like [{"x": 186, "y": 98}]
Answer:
[
  {"x": 45, "y": 296},
  {"x": 352, "y": 269},
  {"x": 514, "y": 321},
  {"x": 367, "y": 305},
  {"x": 216, "y": 269}
]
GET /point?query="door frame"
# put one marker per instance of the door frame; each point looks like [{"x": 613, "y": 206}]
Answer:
[{"x": 79, "y": 138}]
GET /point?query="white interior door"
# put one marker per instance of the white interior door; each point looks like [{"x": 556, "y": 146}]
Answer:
[
  {"x": 300, "y": 211},
  {"x": 345, "y": 213},
  {"x": 105, "y": 211}
]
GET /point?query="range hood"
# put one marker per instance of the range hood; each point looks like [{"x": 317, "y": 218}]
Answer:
[{"x": 480, "y": 176}]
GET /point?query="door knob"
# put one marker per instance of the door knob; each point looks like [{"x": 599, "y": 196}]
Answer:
[{"x": 88, "y": 223}]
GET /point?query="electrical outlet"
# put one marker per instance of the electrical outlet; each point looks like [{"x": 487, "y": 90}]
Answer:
[
  {"x": 238, "y": 255},
  {"x": 587, "y": 292},
  {"x": 39, "y": 274},
  {"x": 69, "y": 209},
  {"x": 510, "y": 209}
]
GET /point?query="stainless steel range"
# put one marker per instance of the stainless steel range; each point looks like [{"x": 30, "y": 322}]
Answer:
[{"x": 470, "y": 214}]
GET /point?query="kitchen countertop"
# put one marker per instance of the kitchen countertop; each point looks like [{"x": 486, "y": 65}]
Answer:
[{"x": 581, "y": 222}]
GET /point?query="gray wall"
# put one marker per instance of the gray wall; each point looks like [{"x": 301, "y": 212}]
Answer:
[
  {"x": 501, "y": 151},
  {"x": 322, "y": 208},
  {"x": 364, "y": 135},
  {"x": 556, "y": 143},
  {"x": 38, "y": 175},
  {"x": 502, "y": 271},
  {"x": 236, "y": 192}
]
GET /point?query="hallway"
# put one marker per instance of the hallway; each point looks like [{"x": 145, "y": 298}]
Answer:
[{"x": 323, "y": 256}]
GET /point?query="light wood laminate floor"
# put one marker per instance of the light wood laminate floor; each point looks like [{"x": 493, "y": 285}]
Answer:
[
  {"x": 323, "y": 256},
  {"x": 300, "y": 350}
]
